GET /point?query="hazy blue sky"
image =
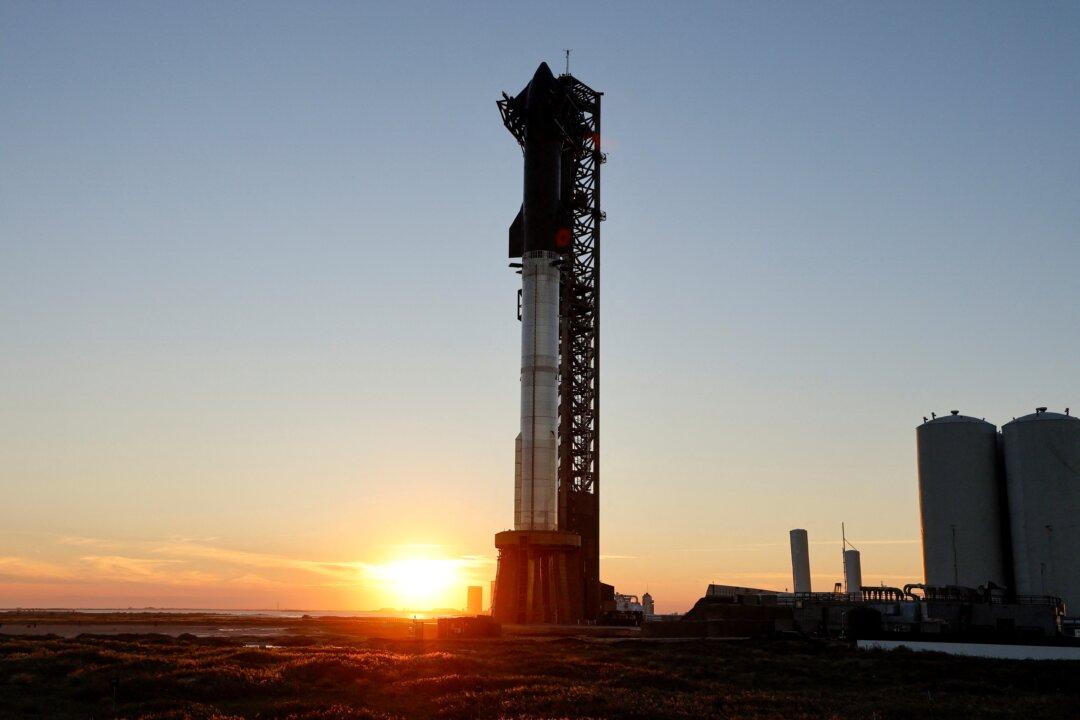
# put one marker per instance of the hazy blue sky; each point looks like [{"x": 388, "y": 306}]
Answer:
[{"x": 254, "y": 295}]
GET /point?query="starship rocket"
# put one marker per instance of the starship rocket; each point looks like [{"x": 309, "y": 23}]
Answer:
[{"x": 540, "y": 235}]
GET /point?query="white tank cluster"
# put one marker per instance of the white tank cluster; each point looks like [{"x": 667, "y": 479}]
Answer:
[{"x": 1002, "y": 508}]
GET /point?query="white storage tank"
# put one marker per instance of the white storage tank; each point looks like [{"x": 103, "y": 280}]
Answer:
[
  {"x": 1042, "y": 469},
  {"x": 853, "y": 573},
  {"x": 800, "y": 561},
  {"x": 962, "y": 507}
]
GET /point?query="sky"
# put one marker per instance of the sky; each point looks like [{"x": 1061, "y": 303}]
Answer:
[{"x": 259, "y": 340}]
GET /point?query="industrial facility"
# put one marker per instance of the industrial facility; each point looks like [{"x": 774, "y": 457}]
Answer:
[
  {"x": 1002, "y": 510},
  {"x": 1000, "y": 519}
]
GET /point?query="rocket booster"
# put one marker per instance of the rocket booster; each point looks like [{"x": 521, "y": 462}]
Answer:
[
  {"x": 538, "y": 116},
  {"x": 536, "y": 481}
]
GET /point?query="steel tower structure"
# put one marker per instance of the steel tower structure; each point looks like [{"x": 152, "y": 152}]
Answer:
[{"x": 579, "y": 376}]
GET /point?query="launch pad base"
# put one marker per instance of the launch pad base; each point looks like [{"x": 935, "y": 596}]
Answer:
[{"x": 539, "y": 578}]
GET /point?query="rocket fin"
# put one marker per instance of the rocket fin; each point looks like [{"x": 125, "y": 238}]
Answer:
[{"x": 517, "y": 235}]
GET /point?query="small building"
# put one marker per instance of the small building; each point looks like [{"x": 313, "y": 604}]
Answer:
[
  {"x": 467, "y": 627},
  {"x": 475, "y": 604},
  {"x": 728, "y": 611},
  {"x": 735, "y": 591}
]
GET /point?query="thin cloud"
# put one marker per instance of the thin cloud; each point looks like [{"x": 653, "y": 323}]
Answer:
[
  {"x": 257, "y": 581},
  {"x": 187, "y": 561},
  {"x": 733, "y": 548},
  {"x": 26, "y": 569},
  {"x": 906, "y": 541},
  {"x": 78, "y": 541},
  {"x": 120, "y": 568},
  {"x": 765, "y": 545},
  {"x": 756, "y": 574},
  {"x": 193, "y": 551}
]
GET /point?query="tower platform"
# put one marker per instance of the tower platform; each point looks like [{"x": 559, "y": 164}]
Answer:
[{"x": 538, "y": 578}]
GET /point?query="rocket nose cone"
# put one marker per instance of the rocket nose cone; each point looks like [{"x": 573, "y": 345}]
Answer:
[
  {"x": 543, "y": 81},
  {"x": 543, "y": 73},
  {"x": 541, "y": 88}
]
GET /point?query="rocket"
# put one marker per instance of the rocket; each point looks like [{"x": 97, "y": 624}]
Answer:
[
  {"x": 540, "y": 117},
  {"x": 548, "y": 569}
]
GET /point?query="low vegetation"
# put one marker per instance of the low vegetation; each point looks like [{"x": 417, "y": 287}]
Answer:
[{"x": 327, "y": 676}]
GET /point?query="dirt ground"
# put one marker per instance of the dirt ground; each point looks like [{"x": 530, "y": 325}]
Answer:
[{"x": 339, "y": 669}]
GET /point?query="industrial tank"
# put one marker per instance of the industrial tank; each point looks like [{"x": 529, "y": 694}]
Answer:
[
  {"x": 1042, "y": 469},
  {"x": 961, "y": 502},
  {"x": 800, "y": 561},
  {"x": 853, "y": 573}
]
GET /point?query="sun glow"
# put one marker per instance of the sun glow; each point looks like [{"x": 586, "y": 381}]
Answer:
[{"x": 421, "y": 583}]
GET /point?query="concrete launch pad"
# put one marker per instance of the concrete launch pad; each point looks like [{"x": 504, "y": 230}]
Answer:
[{"x": 538, "y": 578}]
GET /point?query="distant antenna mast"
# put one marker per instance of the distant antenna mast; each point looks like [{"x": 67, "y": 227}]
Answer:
[
  {"x": 843, "y": 558},
  {"x": 567, "y": 60},
  {"x": 844, "y": 545}
]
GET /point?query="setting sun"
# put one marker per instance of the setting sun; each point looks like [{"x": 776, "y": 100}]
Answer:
[{"x": 421, "y": 583}]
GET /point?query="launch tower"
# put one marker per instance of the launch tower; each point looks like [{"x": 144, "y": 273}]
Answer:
[{"x": 549, "y": 565}]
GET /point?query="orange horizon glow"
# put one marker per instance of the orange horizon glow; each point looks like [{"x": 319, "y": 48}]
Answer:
[
  {"x": 422, "y": 583},
  {"x": 76, "y": 572},
  {"x": 58, "y": 571}
]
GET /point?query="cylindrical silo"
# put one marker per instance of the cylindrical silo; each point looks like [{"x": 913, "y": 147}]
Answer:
[
  {"x": 800, "y": 561},
  {"x": 961, "y": 502},
  {"x": 1042, "y": 468},
  {"x": 852, "y": 572}
]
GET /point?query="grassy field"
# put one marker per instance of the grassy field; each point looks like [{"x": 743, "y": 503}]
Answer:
[{"x": 338, "y": 671}]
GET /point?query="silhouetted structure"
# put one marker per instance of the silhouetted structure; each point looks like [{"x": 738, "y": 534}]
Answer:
[
  {"x": 549, "y": 565},
  {"x": 475, "y": 604},
  {"x": 800, "y": 560},
  {"x": 466, "y": 627}
]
